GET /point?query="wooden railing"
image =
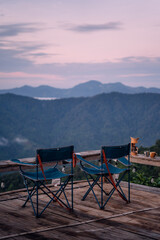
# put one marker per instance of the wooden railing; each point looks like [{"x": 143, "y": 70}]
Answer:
[
  {"x": 142, "y": 159},
  {"x": 8, "y": 165}
]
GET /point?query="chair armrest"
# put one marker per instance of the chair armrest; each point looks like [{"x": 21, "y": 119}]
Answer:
[
  {"x": 67, "y": 161},
  {"x": 124, "y": 161},
  {"x": 18, "y": 162},
  {"x": 87, "y": 162}
]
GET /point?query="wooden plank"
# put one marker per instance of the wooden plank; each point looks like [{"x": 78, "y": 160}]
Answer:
[
  {"x": 142, "y": 159},
  {"x": 105, "y": 220},
  {"x": 138, "y": 231},
  {"x": 137, "y": 220}
]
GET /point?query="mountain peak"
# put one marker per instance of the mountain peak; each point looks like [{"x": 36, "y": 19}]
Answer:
[
  {"x": 89, "y": 83},
  {"x": 86, "y": 89}
]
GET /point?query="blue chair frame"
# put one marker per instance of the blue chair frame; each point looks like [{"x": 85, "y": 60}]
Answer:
[
  {"x": 106, "y": 170},
  {"x": 39, "y": 177}
]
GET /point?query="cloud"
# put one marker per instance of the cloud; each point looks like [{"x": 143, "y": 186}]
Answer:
[
  {"x": 95, "y": 27},
  {"x": 21, "y": 54},
  {"x": 10, "y": 60},
  {"x": 137, "y": 75},
  {"x": 41, "y": 54},
  {"x": 17, "y": 70},
  {"x": 21, "y": 140},
  {"x": 21, "y": 57},
  {"x": 3, "y": 142},
  {"x": 22, "y": 75},
  {"x": 9, "y": 30}
]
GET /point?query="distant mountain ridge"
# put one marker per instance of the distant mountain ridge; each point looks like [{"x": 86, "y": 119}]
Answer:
[{"x": 87, "y": 89}]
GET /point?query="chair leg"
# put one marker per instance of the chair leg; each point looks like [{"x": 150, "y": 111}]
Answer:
[
  {"x": 113, "y": 189},
  {"x": 31, "y": 193},
  {"x": 129, "y": 186},
  {"x": 62, "y": 190},
  {"x": 110, "y": 193},
  {"x": 122, "y": 193},
  {"x": 62, "y": 187},
  {"x": 37, "y": 205},
  {"x": 42, "y": 189},
  {"x": 102, "y": 189},
  {"x": 29, "y": 196},
  {"x": 72, "y": 193},
  {"x": 91, "y": 189},
  {"x": 91, "y": 186},
  {"x": 101, "y": 193},
  {"x": 55, "y": 196}
]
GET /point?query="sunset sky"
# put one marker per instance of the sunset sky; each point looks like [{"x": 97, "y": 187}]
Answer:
[{"x": 62, "y": 43}]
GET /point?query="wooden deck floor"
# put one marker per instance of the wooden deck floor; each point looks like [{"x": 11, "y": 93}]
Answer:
[{"x": 138, "y": 220}]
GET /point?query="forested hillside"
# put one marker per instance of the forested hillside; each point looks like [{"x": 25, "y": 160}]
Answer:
[{"x": 88, "y": 123}]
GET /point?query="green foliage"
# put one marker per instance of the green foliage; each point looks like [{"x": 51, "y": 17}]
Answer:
[
  {"x": 107, "y": 119},
  {"x": 145, "y": 175},
  {"x": 154, "y": 148},
  {"x": 10, "y": 181}
]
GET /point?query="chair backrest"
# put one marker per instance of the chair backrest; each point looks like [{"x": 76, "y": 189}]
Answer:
[
  {"x": 113, "y": 152},
  {"x": 55, "y": 154}
]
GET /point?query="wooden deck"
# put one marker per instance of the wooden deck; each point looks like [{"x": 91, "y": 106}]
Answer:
[{"x": 138, "y": 220}]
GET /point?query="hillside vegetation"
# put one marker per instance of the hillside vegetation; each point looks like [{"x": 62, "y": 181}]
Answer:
[{"x": 88, "y": 123}]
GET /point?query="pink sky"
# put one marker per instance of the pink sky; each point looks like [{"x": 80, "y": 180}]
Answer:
[{"x": 65, "y": 42}]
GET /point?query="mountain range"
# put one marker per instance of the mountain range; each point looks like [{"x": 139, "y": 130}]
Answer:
[
  {"x": 86, "y": 122},
  {"x": 87, "y": 89}
]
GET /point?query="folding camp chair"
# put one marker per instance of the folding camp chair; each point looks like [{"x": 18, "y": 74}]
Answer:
[
  {"x": 94, "y": 173},
  {"x": 40, "y": 175}
]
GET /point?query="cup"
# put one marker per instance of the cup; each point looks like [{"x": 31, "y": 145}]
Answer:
[
  {"x": 146, "y": 153},
  {"x": 152, "y": 154}
]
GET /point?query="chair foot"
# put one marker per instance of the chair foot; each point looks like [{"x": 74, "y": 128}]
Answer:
[
  {"x": 102, "y": 208},
  {"x": 23, "y": 206},
  {"x": 71, "y": 210}
]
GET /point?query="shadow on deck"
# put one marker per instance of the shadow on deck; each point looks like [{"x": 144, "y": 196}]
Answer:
[{"x": 138, "y": 220}]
